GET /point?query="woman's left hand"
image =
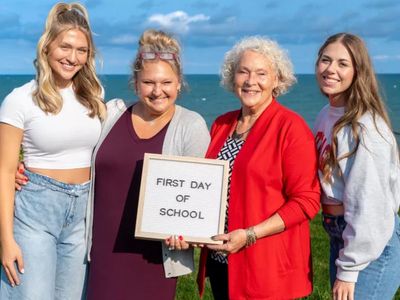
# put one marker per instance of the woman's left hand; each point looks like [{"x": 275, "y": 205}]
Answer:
[
  {"x": 343, "y": 290},
  {"x": 175, "y": 242},
  {"x": 233, "y": 241}
]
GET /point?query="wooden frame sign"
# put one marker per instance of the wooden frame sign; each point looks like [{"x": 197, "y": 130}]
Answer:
[{"x": 182, "y": 196}]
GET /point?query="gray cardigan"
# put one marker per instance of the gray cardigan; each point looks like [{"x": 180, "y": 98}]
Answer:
[{"x": 187, "y": 135}]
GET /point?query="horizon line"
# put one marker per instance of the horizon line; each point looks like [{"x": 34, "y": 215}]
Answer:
[{"x": 129, "y": 74}]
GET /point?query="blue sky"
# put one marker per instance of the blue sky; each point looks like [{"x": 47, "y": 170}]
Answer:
[{"x": 208, "y": 28}]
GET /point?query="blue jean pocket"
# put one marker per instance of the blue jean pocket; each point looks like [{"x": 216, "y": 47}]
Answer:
[
  {"x": 33, "y": 205},
  {"x": 33, "y": 187}
]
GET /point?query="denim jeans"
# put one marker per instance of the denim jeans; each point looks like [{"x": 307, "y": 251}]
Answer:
[
  {"x": 49, "y": 227},
  {"x": 381, "y": 278}
]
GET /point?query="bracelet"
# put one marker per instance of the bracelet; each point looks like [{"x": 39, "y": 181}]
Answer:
[{"x": 251, "y": 237}]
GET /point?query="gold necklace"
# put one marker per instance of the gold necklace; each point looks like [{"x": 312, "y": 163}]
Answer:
[{"x": 238, "y": 136}]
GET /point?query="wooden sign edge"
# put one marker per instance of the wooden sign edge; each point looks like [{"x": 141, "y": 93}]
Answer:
[{"x": 139, "y": 233}]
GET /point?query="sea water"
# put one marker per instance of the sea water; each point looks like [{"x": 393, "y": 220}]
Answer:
[{"x": 205, "y": 96}]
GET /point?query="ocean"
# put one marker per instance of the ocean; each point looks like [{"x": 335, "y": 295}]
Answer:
[{"x": 205, "y": 96}]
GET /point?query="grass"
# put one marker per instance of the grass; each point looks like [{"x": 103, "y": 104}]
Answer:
[{"x": 187, "y": 288}]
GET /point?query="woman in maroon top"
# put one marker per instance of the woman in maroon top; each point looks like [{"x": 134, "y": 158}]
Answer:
[{"x": 123, "y": 267}]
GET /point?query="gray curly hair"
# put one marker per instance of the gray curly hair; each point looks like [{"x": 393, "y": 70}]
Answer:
[{"x": 271, "y": 50}]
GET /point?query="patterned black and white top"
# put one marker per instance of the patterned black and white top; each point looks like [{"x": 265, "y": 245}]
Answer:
[{"x": 228, "y": 152}]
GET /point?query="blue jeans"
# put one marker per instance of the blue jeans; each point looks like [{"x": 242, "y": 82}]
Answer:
[
  {"x": 49, "y": 227},
  {"x": 381, "y": 279}
]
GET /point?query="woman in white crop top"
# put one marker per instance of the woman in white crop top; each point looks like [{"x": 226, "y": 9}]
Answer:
[
  {"x": 359, "y": 173},
  {"x": 57, "y": 119}
]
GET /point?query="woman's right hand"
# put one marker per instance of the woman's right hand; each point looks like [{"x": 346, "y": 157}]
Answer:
[
  {"x": 343, "y": 290},
  {"x": 11, "y": 253},
  {"x": 20, "y": 178}
]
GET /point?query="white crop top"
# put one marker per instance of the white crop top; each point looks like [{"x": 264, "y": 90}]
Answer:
[{"x": 62, "y": 141}]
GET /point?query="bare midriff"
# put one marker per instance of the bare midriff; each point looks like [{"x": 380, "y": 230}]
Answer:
[{"x": 69, "y": 176}]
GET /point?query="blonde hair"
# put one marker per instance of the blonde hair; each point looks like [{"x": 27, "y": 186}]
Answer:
[
  {"x": 158, "y": 41},
  {"x": 271, "y": 50},
  {"x": 362, "y": 96},
  {"x": 88, "y": 90}
]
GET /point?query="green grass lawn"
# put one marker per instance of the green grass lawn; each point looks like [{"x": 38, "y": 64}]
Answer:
[{"x": 187, "y": 288}]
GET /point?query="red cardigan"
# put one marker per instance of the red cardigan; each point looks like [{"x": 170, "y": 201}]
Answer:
[{"x": 274, "y": 172}]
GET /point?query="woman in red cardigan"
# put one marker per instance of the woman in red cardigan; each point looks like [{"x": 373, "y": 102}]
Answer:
[{"x": 273, "y": 184}]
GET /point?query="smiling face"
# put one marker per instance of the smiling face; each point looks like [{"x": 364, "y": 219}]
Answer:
[
  {"x": 157, "y": 86},
  {"x": 254, "y": 81},
  {"x": 66, "y": 55},
  {"x": 335, "y": 72}
]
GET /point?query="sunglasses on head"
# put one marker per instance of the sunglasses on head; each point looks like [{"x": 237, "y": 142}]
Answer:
[{"x": 159, "y": 55}]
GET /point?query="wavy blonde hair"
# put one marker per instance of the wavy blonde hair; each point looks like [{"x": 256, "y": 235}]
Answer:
[
  {"x": 88, "y": 90},
  {"x": 271, "y": 50},
  {"x": 158, "y": 41},
  {"x": 362, "y": 96}
]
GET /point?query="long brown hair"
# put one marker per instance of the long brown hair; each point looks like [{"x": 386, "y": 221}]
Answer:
[
  {"x": 362, "y": 96},
  {"x": 87, "y": 87}
]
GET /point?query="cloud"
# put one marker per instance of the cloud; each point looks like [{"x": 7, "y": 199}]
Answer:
[
  {"x": 9, "y": 24},
  {"x": 13, "y": 29},
  {"x": 382, "y": 4},
  {"x": 122, "y": 33},
  {"x": 385, "y": 57},
  {"x": 178, "y": 21},
  {"x": 382, "y": 25},
  {"x": 381, "y": 57},
  {"x": 124, "y": 39},
  {"x": 221, "y": 27}
]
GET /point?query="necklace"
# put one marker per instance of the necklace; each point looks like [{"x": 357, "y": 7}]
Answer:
[{"x": 238, "y": 136}]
